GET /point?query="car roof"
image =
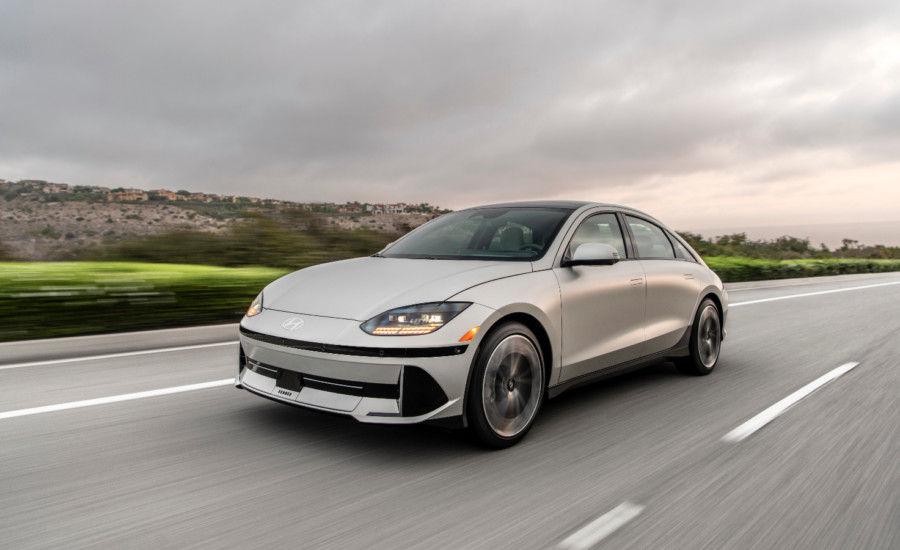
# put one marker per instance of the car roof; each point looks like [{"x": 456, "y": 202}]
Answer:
[{"x": 569, "y": 205}]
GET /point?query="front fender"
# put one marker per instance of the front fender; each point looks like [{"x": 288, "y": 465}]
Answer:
[{"x": 533, "y": 294}]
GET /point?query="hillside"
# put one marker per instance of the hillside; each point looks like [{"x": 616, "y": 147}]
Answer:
[
  {"x": 41, "y": 231},
  {"x": 35, "y": 230}
]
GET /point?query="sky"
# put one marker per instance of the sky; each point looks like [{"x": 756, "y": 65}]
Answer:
[{"x": 702, "y": 113}]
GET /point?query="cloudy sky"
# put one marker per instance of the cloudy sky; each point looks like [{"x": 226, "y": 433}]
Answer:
[{"x": 704, "y": 113}]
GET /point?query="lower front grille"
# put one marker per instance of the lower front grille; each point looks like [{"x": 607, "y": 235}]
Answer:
[{"x": 295, "y": 381}]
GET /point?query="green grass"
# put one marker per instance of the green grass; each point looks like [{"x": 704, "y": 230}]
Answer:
[
  {"x": 733, "y": 269},
  {"x": 46, "y": 300}
]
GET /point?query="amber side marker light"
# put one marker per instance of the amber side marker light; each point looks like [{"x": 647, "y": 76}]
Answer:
[{"x": 469, "y": 335}]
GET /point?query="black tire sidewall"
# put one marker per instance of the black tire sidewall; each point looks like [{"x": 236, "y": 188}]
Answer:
[
  {"x": 477, "y": 419},
  {"x": 694, "y": 364}
]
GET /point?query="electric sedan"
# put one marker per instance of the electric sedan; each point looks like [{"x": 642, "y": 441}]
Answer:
[{"x": 475, "y": 318}]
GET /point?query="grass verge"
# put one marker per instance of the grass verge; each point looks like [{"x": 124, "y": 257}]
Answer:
[
  {"x": 735, "y": 269},
  {"x": 47, "y": 300}
]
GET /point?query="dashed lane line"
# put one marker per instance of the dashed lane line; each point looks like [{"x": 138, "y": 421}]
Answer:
[
  {"x": 749, "y": 427},
  {"x": 602, "y": 527}
]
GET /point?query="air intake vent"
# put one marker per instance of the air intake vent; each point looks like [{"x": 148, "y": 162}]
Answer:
[{"x": 421, "y": 393}]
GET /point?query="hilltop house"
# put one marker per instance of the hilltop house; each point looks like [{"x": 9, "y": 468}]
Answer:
[
  {"x": 50, "y": 188},
  {"x": 399, "y": 208},
  {"x": 127, "y": 195},
  {"x": 169, "y": 195}
]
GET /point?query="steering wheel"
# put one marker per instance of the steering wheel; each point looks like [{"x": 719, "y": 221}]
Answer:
[{"x": 531, "y": 246}]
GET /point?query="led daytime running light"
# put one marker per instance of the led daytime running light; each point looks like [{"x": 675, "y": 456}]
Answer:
[{"x": 414, "y": 320}]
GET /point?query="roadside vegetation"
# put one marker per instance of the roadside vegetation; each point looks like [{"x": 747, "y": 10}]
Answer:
[
  {"x": 45, "y": 300},
  {"x": 186, "y": 277},
  {"x": 785, "y": 248},
  {"x": 288, "y": 242},
  {"x": 732, "y": 269}
]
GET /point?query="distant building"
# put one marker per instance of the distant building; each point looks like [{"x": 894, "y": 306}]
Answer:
[
  {"x": 399, "y": 208},
  {"x": 229, "y": 198},
  {"x": 37, "y": 184},
  {"x": 272, "y": 201},
  {"x": 253, "y": 199},
  {"x": 350, "y": 209},
  {"x": 169, "y": 195},
  {"x": 104, "y": 190},
  {"x": 127, "y": 195},
  {"x": 375, "y": 208},
  {"x": 202, "y": 197},
  {"x": 56, "y": 188}
]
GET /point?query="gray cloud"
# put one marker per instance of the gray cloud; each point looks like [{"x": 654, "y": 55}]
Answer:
[{"x": 447, "y": 102}]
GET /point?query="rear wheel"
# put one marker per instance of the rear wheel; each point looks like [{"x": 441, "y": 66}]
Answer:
[
  {"x": 507, "y": 387},
  {"x": 706, "y": 341}
]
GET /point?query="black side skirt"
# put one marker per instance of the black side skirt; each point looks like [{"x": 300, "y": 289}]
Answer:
[{"x": 681, "y": 349}]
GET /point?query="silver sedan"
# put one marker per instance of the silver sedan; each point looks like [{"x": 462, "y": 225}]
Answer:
[{"x": 475, "y": 318}]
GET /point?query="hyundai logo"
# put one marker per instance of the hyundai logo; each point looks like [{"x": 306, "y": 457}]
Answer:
[{"x": 292, "y": 324}]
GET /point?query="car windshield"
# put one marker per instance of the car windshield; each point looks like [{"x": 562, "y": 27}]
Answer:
[{"x": 504, "y": 234}]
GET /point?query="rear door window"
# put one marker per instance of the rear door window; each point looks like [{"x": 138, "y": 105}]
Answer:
[
  {"x": 681, "y": 252},
  {"x": 650, "y": 240}
]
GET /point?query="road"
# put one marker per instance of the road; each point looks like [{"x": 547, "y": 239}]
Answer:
[{"x": 221, "y": 468}]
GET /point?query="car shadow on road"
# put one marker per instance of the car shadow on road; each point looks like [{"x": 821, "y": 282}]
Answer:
[{"x": 341, "y": 434}]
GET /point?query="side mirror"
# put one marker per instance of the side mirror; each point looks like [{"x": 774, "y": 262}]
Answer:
[{"x": 593, "y": 254}]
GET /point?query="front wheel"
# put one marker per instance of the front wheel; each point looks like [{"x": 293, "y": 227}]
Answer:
[
  {"x": 507, "y": 386},
  {"x": 706, "y": 341}
]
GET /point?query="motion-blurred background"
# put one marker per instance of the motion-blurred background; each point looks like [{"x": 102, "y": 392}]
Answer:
[{"x": 184, "y": 155}]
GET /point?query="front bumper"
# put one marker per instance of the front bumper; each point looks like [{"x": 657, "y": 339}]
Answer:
[{"x": 385, "y": 385}]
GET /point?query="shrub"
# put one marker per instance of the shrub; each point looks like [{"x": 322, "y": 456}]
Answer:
[
  {"x": 259, "y": 241},
  {"x": 43, "y": 300},
  {"x": 49, "y": 232},
  {"x": 732, "y": 270}
]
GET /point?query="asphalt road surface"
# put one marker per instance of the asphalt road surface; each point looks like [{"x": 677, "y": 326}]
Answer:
[{"x": 637, "y": 462}]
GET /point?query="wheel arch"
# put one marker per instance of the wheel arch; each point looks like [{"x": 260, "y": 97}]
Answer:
[{"x": 540, "y": 332}]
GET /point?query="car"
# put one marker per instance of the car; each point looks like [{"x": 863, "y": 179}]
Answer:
[{"x": 475, "y": 318}]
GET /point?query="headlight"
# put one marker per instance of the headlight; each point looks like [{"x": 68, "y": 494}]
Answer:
[
  {"x": 256, "y": 307},
  {"x": 413, "y": 320}
]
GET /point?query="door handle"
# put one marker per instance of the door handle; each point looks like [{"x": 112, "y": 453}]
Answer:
[
  {"x": 688, "y": 276},
  {"x": 635, "y": 282}
]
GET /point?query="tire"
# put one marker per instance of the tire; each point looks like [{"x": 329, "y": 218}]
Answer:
[
  {"x": 706, "y": 341},
  {"x": 506, "y": 387}
]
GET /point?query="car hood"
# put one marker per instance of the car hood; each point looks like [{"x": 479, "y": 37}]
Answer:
[{"x": 362, "y": 288}]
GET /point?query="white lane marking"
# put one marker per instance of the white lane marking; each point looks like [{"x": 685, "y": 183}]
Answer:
[
  {"x": 811, "y": 294},
  {"x": 115, "y": 399},
  {"x": 747, "y": 428},
  {"x": 601, "y": 527},
  {"x": 114, "y": 355}
]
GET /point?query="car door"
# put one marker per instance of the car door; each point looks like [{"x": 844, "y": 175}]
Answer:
[
  {"x": 602, "y": 305},
  {"x": 672, "y": 284}
]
